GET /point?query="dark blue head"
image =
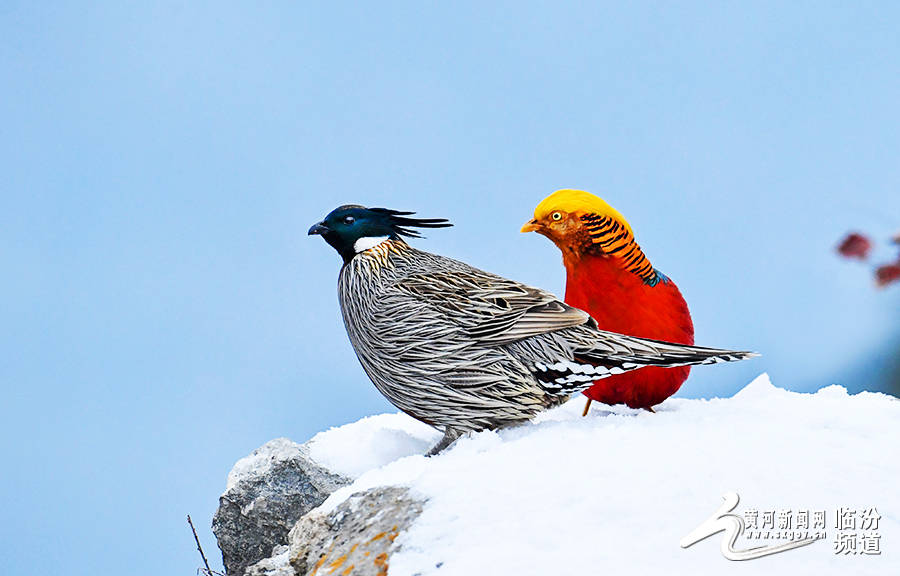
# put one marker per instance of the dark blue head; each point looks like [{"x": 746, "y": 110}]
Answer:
[{"x": 351, "y": 229}]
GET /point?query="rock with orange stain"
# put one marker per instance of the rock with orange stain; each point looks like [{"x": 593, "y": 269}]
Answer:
[
  {"x": 356, "y": 538},
  {"x": 267, "y": 493},
  {"x": 382, "y": 564}
]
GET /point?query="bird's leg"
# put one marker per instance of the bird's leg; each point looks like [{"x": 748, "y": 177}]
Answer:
[
  {"x": 650, "y": 409},
  {"x": 450, "y": 436},
  {"x": 587, "y": 408}
]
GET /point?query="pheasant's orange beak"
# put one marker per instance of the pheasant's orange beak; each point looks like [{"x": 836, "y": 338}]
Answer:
[{"x": 531, "y": 226}]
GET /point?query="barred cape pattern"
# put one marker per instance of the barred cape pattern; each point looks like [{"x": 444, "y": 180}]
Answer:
[
  {"x": 614, "y": 239},
  {"x": 465, "y": 350}
]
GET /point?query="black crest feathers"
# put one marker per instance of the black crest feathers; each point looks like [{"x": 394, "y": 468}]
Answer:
[{"x": 403, "y": 225}]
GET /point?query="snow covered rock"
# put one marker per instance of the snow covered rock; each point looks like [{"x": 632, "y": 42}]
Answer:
[
  {"x": 267, "y": 493},
  {"x": 276, "y": 565},
  {"x": 355, "y": 448},
  {"x": 616, "y": 492},
  {"x": 357, "y": 537}
]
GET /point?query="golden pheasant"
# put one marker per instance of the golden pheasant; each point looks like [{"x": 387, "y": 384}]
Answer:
[{"x": 610, "y": 277}]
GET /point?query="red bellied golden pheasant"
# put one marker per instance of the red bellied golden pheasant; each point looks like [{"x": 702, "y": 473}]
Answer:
[{"x": 609, "y": 277}]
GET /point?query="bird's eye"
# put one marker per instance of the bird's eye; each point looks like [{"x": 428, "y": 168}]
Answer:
[
  {"x": 556, "y": 216},
  {"x": 349, "y": 219}
]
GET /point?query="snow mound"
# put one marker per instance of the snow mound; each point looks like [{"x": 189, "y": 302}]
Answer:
[
  {"x": 371, "y": 442},
  {"x": 616, "y": 492}
]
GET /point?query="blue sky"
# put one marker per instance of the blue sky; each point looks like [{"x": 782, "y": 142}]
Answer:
[{"x": 165, "y": 313}]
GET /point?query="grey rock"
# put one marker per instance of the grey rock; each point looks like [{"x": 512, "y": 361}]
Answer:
[
  {"x": 357, "y": 537},
  {"x": 267, "y": 493},
  {"x": 278, "y": 565}
]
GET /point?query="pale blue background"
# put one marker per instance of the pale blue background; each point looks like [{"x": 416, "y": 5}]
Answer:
[{"x": 164, "y": 312}]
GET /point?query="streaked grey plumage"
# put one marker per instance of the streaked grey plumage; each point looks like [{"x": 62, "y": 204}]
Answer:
[{"x": 464, "y": 350}]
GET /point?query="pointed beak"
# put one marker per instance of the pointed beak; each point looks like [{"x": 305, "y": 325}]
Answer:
[
  {"x": 319, "y": 229},
  {"x": 530, "y": 226}
]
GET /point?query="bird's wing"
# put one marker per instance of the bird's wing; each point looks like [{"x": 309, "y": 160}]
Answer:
[
  {"x": 492, "y": 309},
  {"x": 560, "y": 345}
]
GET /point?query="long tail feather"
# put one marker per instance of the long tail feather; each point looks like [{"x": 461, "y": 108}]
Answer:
[{"x": 617, "y": 354}]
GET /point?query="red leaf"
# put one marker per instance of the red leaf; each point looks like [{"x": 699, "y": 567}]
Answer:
[
  {"x": 887, "y": 274},
  {"x": 855, "y": 245}
]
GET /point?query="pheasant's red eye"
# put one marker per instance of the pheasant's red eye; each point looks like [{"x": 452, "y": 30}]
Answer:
[{"x": 556, "y": 216}]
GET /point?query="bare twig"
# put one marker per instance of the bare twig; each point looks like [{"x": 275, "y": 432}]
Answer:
[{"x": 207, "y": 570}]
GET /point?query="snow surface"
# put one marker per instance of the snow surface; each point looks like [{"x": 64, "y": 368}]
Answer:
[{"x": 615, "y": 492}]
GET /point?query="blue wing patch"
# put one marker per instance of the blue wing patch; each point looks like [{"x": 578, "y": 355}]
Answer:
[{"x": 656, "y": 278}]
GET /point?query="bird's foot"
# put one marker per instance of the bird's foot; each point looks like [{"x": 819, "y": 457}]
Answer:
[
  {"x": 587, "y": 408},
  {"x": 450, "y": 436}
]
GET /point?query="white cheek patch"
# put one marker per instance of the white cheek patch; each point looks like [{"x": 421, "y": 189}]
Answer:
[{"x": 368, "y": 242}]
